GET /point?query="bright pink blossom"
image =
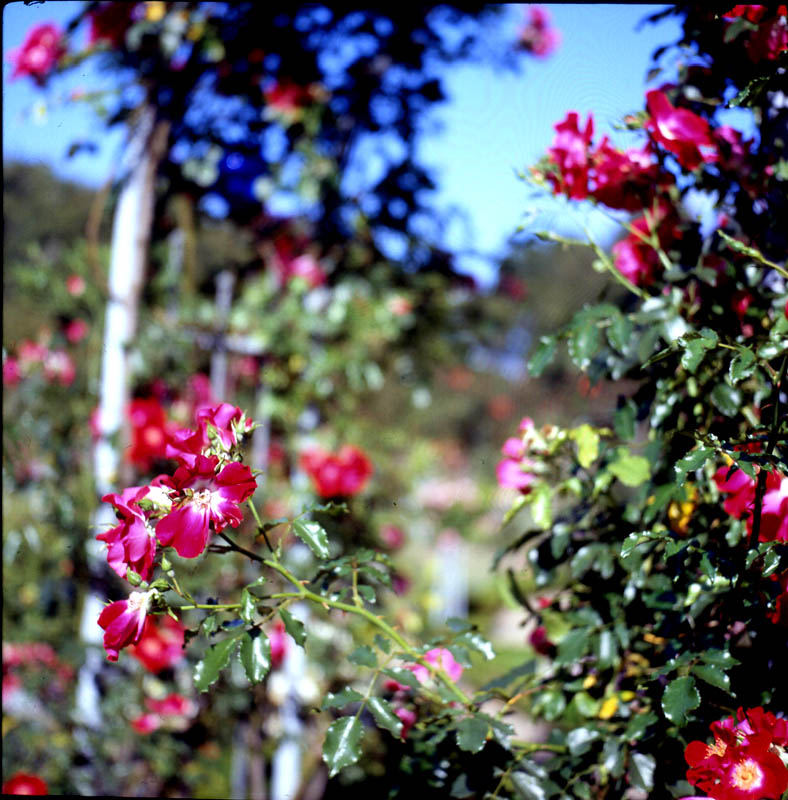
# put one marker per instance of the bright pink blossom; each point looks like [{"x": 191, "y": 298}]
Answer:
[
  {"x": 278, "y": 640},
  {"x": 25, "y": 783},
  {"x": 536, "y": 36},
  {"x": 513, "y": 471},
  {"x": 540, "y": 642},
  {"x": 132, "y": 543},
  {"x": 340, "y": 474},
  {"x": 39, "y": 53},
  {"x": 570, "y": 153},
  {"x": 679, "y": 131},
  {"x": 228, "y": 426},
  {"x": 11, "y": 372},
  {"x": 635, "y": 257},
  {"x": 204, "y": 498},
  {"x": 741, "y": 501},
  {"x": 408, "y": 718},
  {"x": 124, "y": 621},
  {"x": 392, "y": 536},
  {"x": 76, "y": 330},
  {"x": 623, "y": 179},
  {"x": 161, "y": 644},
  {"x": 31, "y": 353},
  {"x": 438, "y": 657}
]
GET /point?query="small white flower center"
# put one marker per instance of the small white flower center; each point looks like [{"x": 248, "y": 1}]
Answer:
[
  {"x": 138, "y": 601},
  {"x": 204, "y": 500},
  {"x": 747, "y": 774}
]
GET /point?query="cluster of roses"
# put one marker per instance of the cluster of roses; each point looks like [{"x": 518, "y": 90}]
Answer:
[
  {"x": 767, "y": 33},
  {"x": 179, "y": 511},
  {"x": 746, "y": 759},
  {"x": 438, "y": 657},
  {"x": 57, "y": 365},
  {"x": 536, "y": 36},
  {"x": 27, "y": 655}
]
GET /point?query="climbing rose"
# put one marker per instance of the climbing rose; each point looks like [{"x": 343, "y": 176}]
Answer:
[
  {"x": 75, "y": 285},
  {"x": 11, "y": 372},
  {"x": 408, "y": 719},
  {"x": 76, "y": 330},
  {"x": 338, "y": 474},
  {"x": 536, "y": 36},
  {"x": 58, "y": 367},
  {"x": 441, "y": 658},
  {"x": 635, "y": 258},
  {"x": 132, "y": 543},
  {"x": 623, "y": 179},
  {"x": 741, "y": 501},
  {"x": 228, "y": 424},
  {"x": 203, "y": 497},
  {"x": 744, "y": 761},
  {"x": 172, "y": 712},
  {"x": 570, "y": 153},
  {"x": 679, "y": 131},
  {"x": 161, "y": 644},
  {"x": 25, "y": 783},
  {"x": 124, "y": 621},
  {"x": 279, "y": 644},
  {"x": 39, "y": 53}
]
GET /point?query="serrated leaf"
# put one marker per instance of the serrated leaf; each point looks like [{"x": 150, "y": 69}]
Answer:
[
  {"x": 573, "y": 646},
  {"x": 364, "y": 656},
  {"x": 624, "y": 421},
  {"x": 247, "y": 609},
  {"x": 542, "y": 356},
  {"x": 215, "y": 660},
  {"x": 312, "y": 535},
  {"x": 342, "y": 745},
  {"x": 403, "y": 676},
  {"x": 712, "y": 675},
  {"x": 619, "y": 333},
  {"x": 382, "y": 643},
  {"x": 694, "y": 460},
  {"x": 472, "y": 734},
  {"x": 475, "y": 641},
  {"x": 726, "y": 399},
  {"x": 385, "y": 716},
  {"x": 293, "y": 626},
  {"x": 679, "y": 698},
  {"x": 641, "y": 771},
  {"x": 583, "y": 342},
  {"x": 341, "y": 699},
  {"x": 742, "y": 365},
  {"x": 694, "y": 350},
  {"x": 255, "y": 656}
]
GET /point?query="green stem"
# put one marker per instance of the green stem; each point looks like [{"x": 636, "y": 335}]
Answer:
[
  {"x": 210, "y": 607},
  {"x": 260, "y": 526},
  {"x": 379, "y": 623}
]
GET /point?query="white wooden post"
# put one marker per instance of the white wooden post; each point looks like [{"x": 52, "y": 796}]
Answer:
[
  {"x": 224, "y": 298},
  {"x": 451, "y": 577},
  {"x": 130, "y": 238}
]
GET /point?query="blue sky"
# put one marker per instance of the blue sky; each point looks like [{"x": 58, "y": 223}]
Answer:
[{"x": 494, "y": 123}]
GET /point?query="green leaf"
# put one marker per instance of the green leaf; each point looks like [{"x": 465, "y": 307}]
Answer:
[
  {"x": 641, "y": 771},
  {"x": 694, "y": 350},
  {"x": 385, "y": 716},
  {"x": 742, "y": 365},
  {"x": 694, "y": 460},
  {"x": 680, "y": 697},
  {"x": 543, "y": 355},
  {"x": 631, "y": 470},
  {"x": 248, "y": 605},
  {"x": 364, "y": 656},
  {"x": 472, "y": 734},
  {"x": 712, "y": 675},
  {"x": 341, "y": 699},
  {"x": 403, "y": 676},
  {"x": 475, "y": 641},
  {"x": 587, "y": 440},
  {"x": 293, "y": 626},
  {"x": 583, "y": 342},
  {"x": 572, "y": 646},
  {"x": 255, "y": 655},
  {"x": 528, "y": 787},
  {"x": 624, "y": 421},
  {"x": 619, "y": 333},
  {"x": 215, "y": 660},
  {"x": 342, "y": 746},
  {"x": 313, "y": 535},
  {"x": 726, "y": 399},
  {"x": 382, "y": 643},
  {"x": 579, "y": 740},
  {"x": 542, "y": 506}
]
